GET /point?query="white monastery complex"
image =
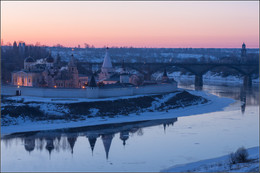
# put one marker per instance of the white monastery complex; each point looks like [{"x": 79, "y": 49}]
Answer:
[{"x": 46, "y": 78}]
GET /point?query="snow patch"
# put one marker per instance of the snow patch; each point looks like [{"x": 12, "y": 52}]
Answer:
[{"x": 220, "y": 164}]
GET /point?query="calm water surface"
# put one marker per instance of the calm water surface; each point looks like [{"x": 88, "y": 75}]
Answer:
[{"x": 142, "y": 146}]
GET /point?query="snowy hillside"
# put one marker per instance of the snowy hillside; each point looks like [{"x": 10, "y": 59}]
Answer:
[
  {"x": 25, "y": 115},
  {"x": 221, "y": 164}
]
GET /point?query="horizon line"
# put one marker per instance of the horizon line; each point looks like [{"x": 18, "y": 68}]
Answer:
[{"x": 127, "y": 47}]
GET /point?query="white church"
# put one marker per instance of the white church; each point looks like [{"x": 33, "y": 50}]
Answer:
[
  {"x": 120, "y": 84},
  {"x": 108, "y": 74}
]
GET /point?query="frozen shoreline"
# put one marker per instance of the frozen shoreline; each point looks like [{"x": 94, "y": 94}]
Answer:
[
  {"x": 220, "y": 164},
  {"x": 216, "y": 104}
]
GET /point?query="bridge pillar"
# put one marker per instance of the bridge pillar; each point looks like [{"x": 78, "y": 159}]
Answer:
[
  {"x": 247, "y": 82},
  {"x": 198, "y": 82}
]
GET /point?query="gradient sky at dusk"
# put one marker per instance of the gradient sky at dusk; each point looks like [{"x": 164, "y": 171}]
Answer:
[{"x": 139, "y": 24}]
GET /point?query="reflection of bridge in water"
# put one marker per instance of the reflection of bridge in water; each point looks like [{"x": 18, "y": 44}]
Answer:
[
  {"x": 65, "y": 139},
  {"x": 197, "y": 69}
]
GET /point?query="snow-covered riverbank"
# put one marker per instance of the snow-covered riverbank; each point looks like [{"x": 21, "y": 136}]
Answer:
[
  {"x": 214, "y": 104},
  {"x": 208, "y": 78},
  {"x": 221, "y": 164}
]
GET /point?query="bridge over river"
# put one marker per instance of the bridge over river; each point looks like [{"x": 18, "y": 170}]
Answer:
[{"x": 197, "y": 69}]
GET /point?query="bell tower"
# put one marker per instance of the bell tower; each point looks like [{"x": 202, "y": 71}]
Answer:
[
  {"x": 73, "y": 72},
  {"x": 243, "y": 52}
]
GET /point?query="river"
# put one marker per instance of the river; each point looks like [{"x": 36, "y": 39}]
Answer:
[{"x": 143, "y": 146}]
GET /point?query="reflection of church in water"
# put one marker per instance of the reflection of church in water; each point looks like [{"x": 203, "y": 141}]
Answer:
[{"x": 56, "y": 141}]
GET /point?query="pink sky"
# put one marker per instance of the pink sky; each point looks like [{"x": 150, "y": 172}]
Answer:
[{"x": 139, "y": 24}]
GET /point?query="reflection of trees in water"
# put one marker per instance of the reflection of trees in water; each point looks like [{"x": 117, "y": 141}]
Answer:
[
  {"x": 8, "y": 143},
  {"x": 60, "y": 140}
]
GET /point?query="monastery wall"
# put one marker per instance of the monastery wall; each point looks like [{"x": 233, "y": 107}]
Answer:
[
  {"x": 154, "y": 89},
  {"x": 45, "y": 92},
  {"x": 115, "y": 92},
  {"x": 88, "y": 92}
]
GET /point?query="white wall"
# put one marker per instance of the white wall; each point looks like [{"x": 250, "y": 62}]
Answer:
[
  {"x": 87, "y": 93},
  {"x": 114, "y": 92},
  {"x": 45, "y": 92},
  {"x": 153, "y": 89}
]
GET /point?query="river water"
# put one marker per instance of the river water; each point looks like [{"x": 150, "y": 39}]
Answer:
[{"x": 143, "y": 146}]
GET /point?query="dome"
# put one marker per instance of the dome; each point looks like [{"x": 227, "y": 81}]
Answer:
[
  {"x": 29, "y": 59},
  {"x": 50, "y": 59}
]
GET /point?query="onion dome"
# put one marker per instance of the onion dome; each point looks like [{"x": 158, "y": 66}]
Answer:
[
  {"x": 29, "y": 59},
  {"x": 50, "y": 59}
]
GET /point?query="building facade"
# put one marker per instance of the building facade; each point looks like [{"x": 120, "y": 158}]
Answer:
[{"x": 49, "y": 73}]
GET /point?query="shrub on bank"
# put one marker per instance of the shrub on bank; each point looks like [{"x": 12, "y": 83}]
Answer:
[{"x": 240, "y": 156}]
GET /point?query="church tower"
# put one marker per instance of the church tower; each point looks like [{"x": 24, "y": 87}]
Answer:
[
  {"x": 106, "y": 70},
  {"x": 58, "y": 61},
  {"x": 73, "y": 71},
  {"x": 49, "y": 61},
  {"x": 243, "y": 52}
]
